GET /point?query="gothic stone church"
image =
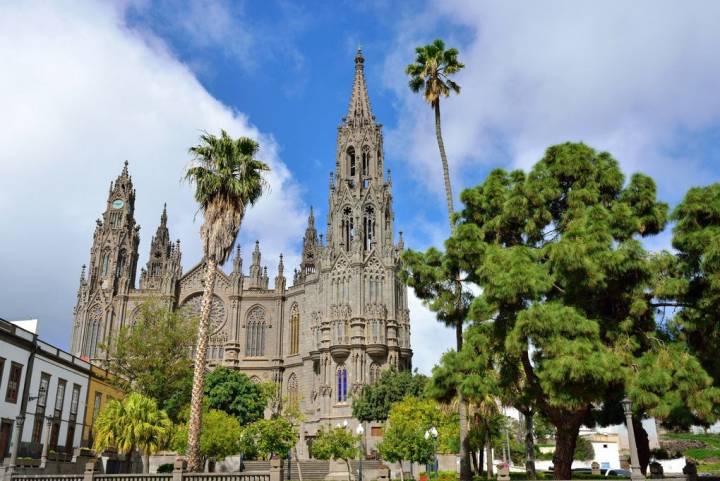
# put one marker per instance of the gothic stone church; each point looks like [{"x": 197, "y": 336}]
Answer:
[{"x": 343, "y": 319}]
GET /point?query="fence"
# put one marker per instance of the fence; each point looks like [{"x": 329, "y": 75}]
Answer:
[{"x": 275, "y": 473}]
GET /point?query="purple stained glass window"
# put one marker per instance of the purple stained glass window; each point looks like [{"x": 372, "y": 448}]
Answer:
[{"x": 342, "y": 384}]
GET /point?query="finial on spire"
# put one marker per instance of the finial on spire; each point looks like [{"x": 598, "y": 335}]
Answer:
[
  {"x": 125, "y": 169},
  {"x": 311, "y": 218},
  {"x": 163, "y": 216},
  {"x": 82, "y": 273},
  {"x": 359, "y": 59},
  {"x": 281, "y": 266}
]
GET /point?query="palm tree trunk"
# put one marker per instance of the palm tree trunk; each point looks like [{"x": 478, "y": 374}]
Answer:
[
  {"x": 146, "y": 462},
  {"x": 195, "y": 422},
  {"x": 443, "y": 157},
  {"x": 465, "y": 470},
  {"x": 489, "y": 460}
]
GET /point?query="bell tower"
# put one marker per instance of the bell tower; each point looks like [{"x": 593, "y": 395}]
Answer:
[
  {"x": 360, "y": 214},
  {"x": 112, "y": 268}
]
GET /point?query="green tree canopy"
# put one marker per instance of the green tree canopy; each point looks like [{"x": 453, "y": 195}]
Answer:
[
  {"x": 404, "y": 438},
  {"x": 133, "y": 423},
  {"x": 375, "y": 400},
  {"x": 584, "y": 450},
  {"x": 151, "y": 356},
  {"x": 337, "y": 443},
  {"x": 690, "y": 278},
  {"x": 233, "y": 392},
  {"x": 566, "y": 285},
  {"x": 220, "y": 437},
  {"x": 273, "y": 437}
]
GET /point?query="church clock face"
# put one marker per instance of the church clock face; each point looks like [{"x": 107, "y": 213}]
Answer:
[
  {"x": 217, "y": 311},
  {"x": 118, "y": 204}
]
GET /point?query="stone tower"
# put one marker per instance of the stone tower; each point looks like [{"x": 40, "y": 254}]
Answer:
[
  {"x": 365, "y": 324},
  {"x": 163, "y": 267},
  {"x": 112, "y": 268}
]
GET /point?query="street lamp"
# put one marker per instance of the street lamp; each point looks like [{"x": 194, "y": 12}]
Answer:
[
  {"x": 635, "y": 472},
  {"x": 360, "y": 430},
  {"x": 433, "y": 433}
]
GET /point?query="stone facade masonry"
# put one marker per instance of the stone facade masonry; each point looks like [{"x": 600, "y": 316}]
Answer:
[{"x": 343, "y": 319}]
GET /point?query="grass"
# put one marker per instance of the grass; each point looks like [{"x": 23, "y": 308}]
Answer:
[{"x": 708, "y": 457}]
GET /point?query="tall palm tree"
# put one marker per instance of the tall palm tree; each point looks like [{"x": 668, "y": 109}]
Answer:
[
  {"x": 133, "y": 423},
  {"x": 227, "y": 178},
  {"x": 430, "y": 73}
]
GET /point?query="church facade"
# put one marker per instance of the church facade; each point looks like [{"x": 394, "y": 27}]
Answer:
[{"x": 341, "y": 320}]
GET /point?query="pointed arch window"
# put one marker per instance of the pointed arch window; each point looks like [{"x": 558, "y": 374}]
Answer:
[
  {"x": 105, "y": 263},
  {"x": 120, "y": 263},
  {"x": 342, "y": 384},
  {"x": 351, "y": 161},
  {"x": 255, "y": 333},
  {"x": 347, "y": 227},
  {"x": 366, "y": 161},
  {"x": 368, "y": 227},
  {"x": 292, "y": 390},
  {"x": 294, "y": 329},
  {"x": 374, "y": 373}
]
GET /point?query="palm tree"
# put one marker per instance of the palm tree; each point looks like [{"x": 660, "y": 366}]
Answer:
[
  {"x": 227, "y": 178},
  {"x": 133, "y": 423},
  {"x": 431, "y": 73}
]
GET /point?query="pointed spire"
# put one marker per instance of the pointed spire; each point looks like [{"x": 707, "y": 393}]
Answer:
[
  {"x": 125, "y": 169},
  {"x": 359, "y": 108},
  {"x": 311, "y": 219},
  {"x": 163, "y": 216},
  {"x": 82, "y": 274},
  {"x": 281, "y": 266}
]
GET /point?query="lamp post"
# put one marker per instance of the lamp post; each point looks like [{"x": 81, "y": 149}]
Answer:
[
  {"x": 360, "y": 430},
  {"x": 635, "y": 472},
  {"x": 433, "y": 433}
]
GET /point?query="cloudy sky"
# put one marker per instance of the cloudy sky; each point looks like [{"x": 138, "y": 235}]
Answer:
[{"x": 87, "y": 85}]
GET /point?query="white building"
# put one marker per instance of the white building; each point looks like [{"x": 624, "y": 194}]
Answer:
[{"x": 49, "y": 403}]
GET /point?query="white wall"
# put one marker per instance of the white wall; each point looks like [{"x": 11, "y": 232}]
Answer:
[
  {"x": 57, "y": 370},
  {"x": 11, "y": 353}
]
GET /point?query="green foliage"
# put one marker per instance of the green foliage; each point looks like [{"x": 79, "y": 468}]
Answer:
[
  {"x": 691, "y": 277},
  {"x": 336, "y": 443},
  {"x": 584, "y": 450},
  {"x": 404, "y": 437},
  {"x": 151, "y": 356},
  {"x": 233, "y": 392},
  {"x": 227, "y": 179},
  {"x": 219, "y": 438},
  {"x": 375, "y": 400},
  {"x": 133, "y": 423},
  {"x": 432, "y": 69},
  {"x": 165, "y": 468},
  {"x": 557, "y": 255},
  {"x": 271, "y": 437}
]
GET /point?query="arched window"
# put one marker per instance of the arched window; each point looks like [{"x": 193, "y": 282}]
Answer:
[
  {"x": 292, "y": 390},
  {"x": 347, "y": 227},
  {"x": 294, "y": 329},
  {"x": 351, "y": 161},
  {"x": 120, "y": 263},
  {"x": 342, "y": 384},
  {"x": 105, "y": 263},
  {"x": 368, "y": 227},
  {"x": 366, "y": 161},
  {"x": 374, "y": 373},
  {"x": 255, "y": 333}
]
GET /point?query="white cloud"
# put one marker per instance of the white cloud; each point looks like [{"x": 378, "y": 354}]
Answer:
[
  {"x": 80, "y": 94},
  {"x": 634, "y": 78},
  {"x": 430, "y": 338}
]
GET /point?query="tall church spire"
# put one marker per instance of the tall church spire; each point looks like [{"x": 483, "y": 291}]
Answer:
[{"x": 359, "y": 111}]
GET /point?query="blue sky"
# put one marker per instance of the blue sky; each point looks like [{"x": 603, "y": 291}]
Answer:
[{"x": 86, "y": 85}]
